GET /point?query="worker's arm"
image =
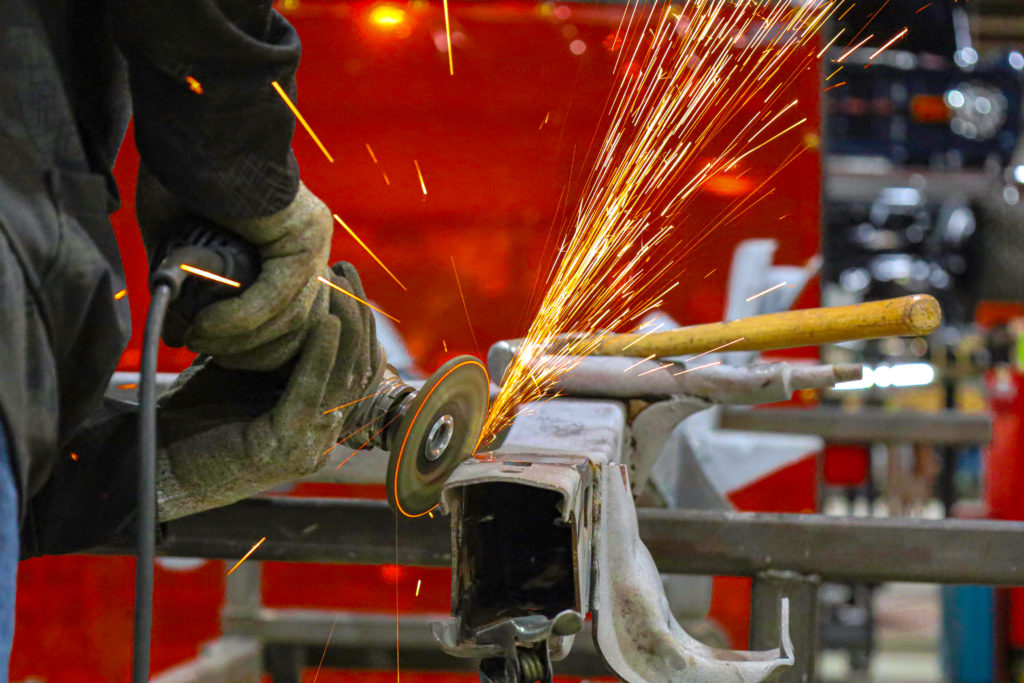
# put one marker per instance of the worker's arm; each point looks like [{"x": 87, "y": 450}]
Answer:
[{"x": 214, "y": 137}]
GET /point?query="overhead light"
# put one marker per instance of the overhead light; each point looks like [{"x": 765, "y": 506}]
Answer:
[{"x": 387, "y": 17}]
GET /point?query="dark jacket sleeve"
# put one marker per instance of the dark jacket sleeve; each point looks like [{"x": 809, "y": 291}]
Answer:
[
  {"x": 92, "y": 494},
  {"x": 208, "y": 123}
]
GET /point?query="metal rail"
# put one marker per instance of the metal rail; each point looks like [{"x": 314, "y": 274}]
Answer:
[
  {"x": 870, "y": 425},
  {"x": 681, "y": 541}
]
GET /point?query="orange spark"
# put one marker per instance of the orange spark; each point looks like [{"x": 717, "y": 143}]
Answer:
[
  {"x": 120, "y": 295},
  {"x": 841, "y": 67},
  {"x": 126, "y": 387},
  {"x": 246, "y": 556},
  {"x": 345, "y": 405},
  {"x": 699, "y": 367},
  {"x": 855, "y": 48},
  {"x": 369, "y": 251},
  {"x": 886, "y": 46},
  {"x": 546, "y": 116},
  {"x": 423, "y": 185},
  {"x": 717, "y": 348},
  {"x": 833, "y": 87},
  {"x": 923, "y": 8},
  {"x": 642, "y": 360},
  {"x": 770, "y": 289},
  {"x": 465, "y": 308},
  {"x": 326, "y": 645},
  {"x": 660, "y": 367},
  {"x": 74, "y": 456},
  {"x": 830, "y": 43},
  {"x": 209, "y": 276},
  {"x": 295, "y": 110},
  {"x": 430, "y": 513},
  {"x": 350, "y": 294},
  {"x": 370, "y": 150},
  {"x": 445, "y": 345},
  {"x": 194, "y": 85},
  {"x": 448, "y": 34},
  {"x": 418, "y": 582},
  {"x": 386, "y": 181},
  {"x": 709, "y": 273}
]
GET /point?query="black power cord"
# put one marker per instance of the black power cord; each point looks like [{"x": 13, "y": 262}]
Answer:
[{"x": 209, "y": 249}]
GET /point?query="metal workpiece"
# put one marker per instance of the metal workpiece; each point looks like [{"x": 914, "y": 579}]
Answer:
[
  {"x": 625, "y": 378},
  {"x": 768, "y": 592},
  {"x": 521, "y": 545},
  {"x": 651, "y": 429},
  {"x": 634, "y": 629},
  {"x": 568, "y": 425}
]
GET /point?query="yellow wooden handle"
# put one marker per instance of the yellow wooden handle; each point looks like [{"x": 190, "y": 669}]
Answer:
[{"x": 913, "y": 315}]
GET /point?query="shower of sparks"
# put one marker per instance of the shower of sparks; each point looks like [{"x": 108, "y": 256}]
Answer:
[
  {"x": 370, "y": 150},
  {"x": 120, "y": 295},
  {"x": 699, "y": 367},
  {"x": 326, "y": 645},
  {"x": 209, "y": 276},
  {"x": 689, "y": 75},
  {"x": 767, "y": 291},
  {"x": 448, "y": 35},
  {"x": 418, "y": 582},
  {"x": 465, "y": 308},
  {"x": 423, "y": 185},
  {"x": 246, "y": 556},
  {"x": 295, "y": 110},
  {"x": 350, "y": 294},
  {"x": 194, "y": 85},
  {"x": 369, "y": 251},
  {"x": 886, "y": 46}
]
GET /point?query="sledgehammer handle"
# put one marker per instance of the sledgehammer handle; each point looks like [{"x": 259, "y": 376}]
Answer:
[{"x": 913, "y": 315}]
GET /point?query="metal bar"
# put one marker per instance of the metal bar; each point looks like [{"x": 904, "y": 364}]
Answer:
[
  {"x": 681, "y": 541},
  {"x": 766, "y": 598},
  {"x": 867, "y": 425}
]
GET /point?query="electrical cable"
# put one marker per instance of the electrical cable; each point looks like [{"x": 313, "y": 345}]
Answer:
[{"x": 146, "y": 532}]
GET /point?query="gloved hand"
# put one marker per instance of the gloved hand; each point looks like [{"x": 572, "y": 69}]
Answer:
[
  {"x": 227, "y": 434},
  {"x": 265, "y": 325}
]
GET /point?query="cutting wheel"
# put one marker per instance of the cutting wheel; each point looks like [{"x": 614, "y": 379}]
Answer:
[{"x": 440, "y": 428}]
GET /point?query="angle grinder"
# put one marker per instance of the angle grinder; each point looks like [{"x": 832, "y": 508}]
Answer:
[{"x": 427, "y": 431}]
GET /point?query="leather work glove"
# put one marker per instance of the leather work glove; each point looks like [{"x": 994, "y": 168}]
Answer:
[
  {"x": 226, "y": 434},
  {"x": 265, "y": 325}
]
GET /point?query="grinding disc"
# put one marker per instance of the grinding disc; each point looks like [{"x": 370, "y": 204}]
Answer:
[{"x": 440, "y": 428}]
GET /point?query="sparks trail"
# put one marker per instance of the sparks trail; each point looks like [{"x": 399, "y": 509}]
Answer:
[
  {"x": 717, "y": 348},
  {"x": 465, "y": 308},
  {"x": 246, "y": 556},
  {"x": 699, "y": 367},
  {"x": 120, "y": 295},
  {"x": 350, "y": 294},
  {"x": 448, "y": 36},
  {"x": 770, "y": 289},
  {"x": 295, "y": 110},
  {"x": 350, "y": 403},
  {"x": 700, "y": 88},
  {"x": 888, "y": 44},
  {"x": 209, "y": 276},
  {"x": 326, "y": 645},
  {"x": 368, "y": 251},
  {"x": 419, "y": 173}
]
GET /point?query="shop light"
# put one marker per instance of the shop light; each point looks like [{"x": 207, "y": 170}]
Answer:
[{"x": 899, "y": 375}]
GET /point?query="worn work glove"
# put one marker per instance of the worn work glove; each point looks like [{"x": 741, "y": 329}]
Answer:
[
  {"x": 265, "y": 325},
  {"x": 227, "y": 434}
]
